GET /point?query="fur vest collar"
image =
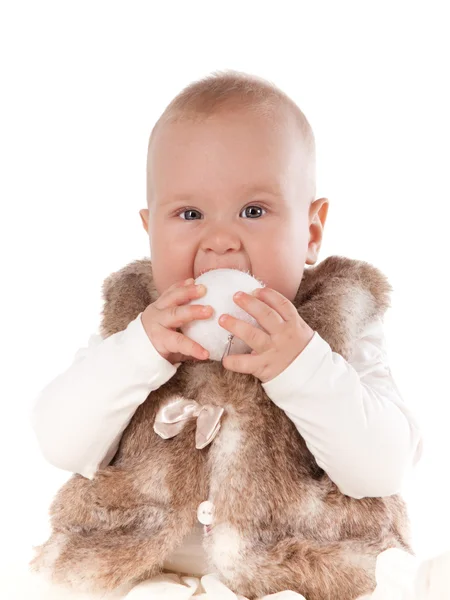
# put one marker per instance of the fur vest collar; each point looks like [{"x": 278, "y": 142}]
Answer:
[{"x": 279, "y": 522}]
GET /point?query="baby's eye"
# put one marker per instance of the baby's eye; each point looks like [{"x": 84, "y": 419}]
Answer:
[
  {"x": 188, "y": 210},
  {"x": 253, "y": 206},
  {"x": 250, "y": 215}
]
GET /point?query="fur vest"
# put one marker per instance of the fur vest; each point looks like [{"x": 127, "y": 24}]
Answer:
[{"x": 279, "y": 522}]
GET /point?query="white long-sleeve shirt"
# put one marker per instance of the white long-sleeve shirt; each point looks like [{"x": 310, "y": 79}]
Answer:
[{"x": 350, "y": 413}]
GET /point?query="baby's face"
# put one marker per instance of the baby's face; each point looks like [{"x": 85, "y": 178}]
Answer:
[{"x": 230, "y": 192}]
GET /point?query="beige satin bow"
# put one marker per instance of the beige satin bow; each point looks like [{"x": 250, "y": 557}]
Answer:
[{"x": 172, "y": 417}]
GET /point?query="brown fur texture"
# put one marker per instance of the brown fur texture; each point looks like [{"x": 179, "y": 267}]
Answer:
[{"x": 280, "y": 522}]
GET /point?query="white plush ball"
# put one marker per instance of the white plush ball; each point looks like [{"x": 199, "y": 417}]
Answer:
[{"x": 221, "y": 285}]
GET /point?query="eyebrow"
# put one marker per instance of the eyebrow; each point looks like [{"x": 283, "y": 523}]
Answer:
[{"x": 245, "y": 189}]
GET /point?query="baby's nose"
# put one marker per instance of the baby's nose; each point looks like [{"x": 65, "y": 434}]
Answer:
[{"x": 221, "y": 240}]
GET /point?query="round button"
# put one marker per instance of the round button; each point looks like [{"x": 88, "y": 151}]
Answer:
[{"x": 205, "y": 513}]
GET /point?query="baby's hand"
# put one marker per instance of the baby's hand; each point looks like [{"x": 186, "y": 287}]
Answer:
[
  {"x": 161, "y": 318},
  {"x": 284, "y": 334}
]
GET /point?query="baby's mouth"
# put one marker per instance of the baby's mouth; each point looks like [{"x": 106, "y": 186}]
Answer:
[{"x": 248, "y": 271}]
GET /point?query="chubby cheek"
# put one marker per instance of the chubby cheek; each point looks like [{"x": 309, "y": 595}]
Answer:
[
  {"x": 169, "y": 265},
  {"x": 165, "y": 275},
  {"x": 281, "y": 271},
  {"x": 285, "y": 282}
]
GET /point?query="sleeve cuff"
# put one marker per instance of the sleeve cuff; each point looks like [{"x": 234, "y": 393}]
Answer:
[{"x": 301, "y": 369}]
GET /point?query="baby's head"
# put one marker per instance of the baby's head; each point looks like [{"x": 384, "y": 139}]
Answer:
[{"x": 231, "y": 184}]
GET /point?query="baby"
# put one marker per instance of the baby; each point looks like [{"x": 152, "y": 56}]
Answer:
[{"x": 231, "y": 184}]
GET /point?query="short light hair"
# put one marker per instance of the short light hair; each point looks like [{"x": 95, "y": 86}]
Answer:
[{"x": 224, "y": 90}]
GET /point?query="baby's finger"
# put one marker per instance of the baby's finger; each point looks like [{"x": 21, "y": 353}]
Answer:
[
  {"x": 178, "y": 343},
  {"x": 177, "y": 285},
  {"x": 179, "y": 295},
  {"x": 182, "y": 283},
  {"x": 176, "y": 316}
]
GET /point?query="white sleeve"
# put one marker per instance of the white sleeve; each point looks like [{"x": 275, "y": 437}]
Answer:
[
  {"x": 351, "y": 414},
  {"x": 79, "y": 417}
]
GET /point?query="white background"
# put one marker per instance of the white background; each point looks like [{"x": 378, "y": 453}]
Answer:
[{"x": 82, "y": 85}]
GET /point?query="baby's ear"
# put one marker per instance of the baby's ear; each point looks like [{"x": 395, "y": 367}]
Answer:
[
  {"x": 144, "y": 218},
  {"x": 312, "y": 254},
  {"x": 317, "y": 216}
]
